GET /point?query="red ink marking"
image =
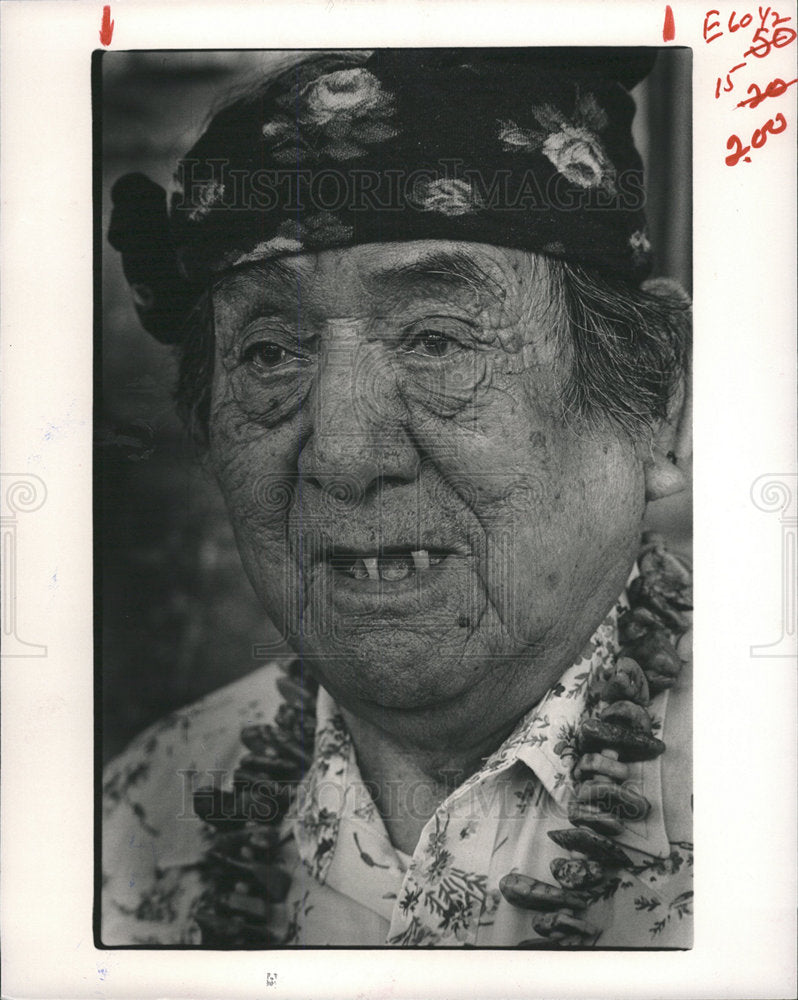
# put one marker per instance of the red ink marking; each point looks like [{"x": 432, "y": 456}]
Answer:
[
  {"x": 758, "y": 139},
  {"x": 107, "y": 27},
  {"x": 774, "y": 89},
  {"x": 782, "y": 35},
  {"x": 729, "y": 85},
  {"x": 775, "y": 131},
  {"x": 744, "y": 21},
  {"x": 709, "y": 26},
  {"x": 754, "y": 101},
  {"x": 668, "y": 29},
  {"x": 738, "y": 151}
]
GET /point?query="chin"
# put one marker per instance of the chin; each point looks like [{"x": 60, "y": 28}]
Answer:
[{"x": 386, "y": 667}]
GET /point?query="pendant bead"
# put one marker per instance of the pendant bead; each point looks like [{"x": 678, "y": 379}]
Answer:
[
  {"x": 610, "y": 796},
  {"x": 592, "y": 845},
  {"x": 626, "y": 681},
  {"x": 632, "y": 745},
  {"x": 532, "y": 894},
  {"x": 629, "y": 714},
  {"x": 563, "y": 924},
  {"x": 602, "y": 822},
  {"x": 577, "y": 873}
]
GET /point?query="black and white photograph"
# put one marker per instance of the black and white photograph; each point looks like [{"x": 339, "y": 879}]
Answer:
[
  {"x": 398, "y": 499},
  {"x": 394, "y": 458}
]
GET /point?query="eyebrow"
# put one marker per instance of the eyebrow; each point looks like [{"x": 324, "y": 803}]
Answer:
[
  {"x": 260, "y": 273},
  {"x": 450, "y": 267},
  {"x": 455, "y": 268}
]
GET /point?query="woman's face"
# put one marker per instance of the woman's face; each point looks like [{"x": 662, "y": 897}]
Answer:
[{"x": 411, "y": 506}]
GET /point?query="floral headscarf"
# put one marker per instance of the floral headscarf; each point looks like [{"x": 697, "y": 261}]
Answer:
[{"x": 523, "y": 148}]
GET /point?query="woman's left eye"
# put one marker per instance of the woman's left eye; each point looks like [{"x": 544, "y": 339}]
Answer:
[{"x": 431, "y": 343}]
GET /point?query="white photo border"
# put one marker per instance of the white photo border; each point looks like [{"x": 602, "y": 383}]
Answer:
[{"x": 745, "y": 319}]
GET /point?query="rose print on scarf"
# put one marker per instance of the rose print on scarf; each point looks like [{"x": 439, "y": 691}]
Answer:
[
  {"x": 578, "y": 156},
  {"x": 447, "y": 195},
  {"x": 513, "y": 137},
  {"x": 274, "y": 247},
  {"x": 571, "y": 144},
  {"x": 355, "y": 92},
  {"x": 208, "y": 194},
  {"x": 317, "y": 230},
  {"x": 338, "y": 115}
]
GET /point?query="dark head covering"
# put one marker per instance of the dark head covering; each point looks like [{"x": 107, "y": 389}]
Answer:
[{"x": 524, "y": 148}]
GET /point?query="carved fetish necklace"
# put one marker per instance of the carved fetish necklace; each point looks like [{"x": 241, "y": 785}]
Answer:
[{"x": 243, "y": 866}]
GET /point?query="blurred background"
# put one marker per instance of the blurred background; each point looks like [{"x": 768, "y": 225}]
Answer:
[{"x": 177, "y": 614}]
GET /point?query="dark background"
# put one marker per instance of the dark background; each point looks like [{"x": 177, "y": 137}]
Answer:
[{"x": 177, "y": 615}]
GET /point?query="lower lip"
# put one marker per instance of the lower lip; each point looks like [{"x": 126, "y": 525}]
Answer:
[{"x": 417, "y": 589}]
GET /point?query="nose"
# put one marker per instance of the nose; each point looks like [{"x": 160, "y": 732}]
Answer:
[{"x": 358, "y": 438}]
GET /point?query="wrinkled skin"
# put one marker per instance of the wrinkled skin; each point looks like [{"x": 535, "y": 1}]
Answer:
[{"x": 378, "y": 395}]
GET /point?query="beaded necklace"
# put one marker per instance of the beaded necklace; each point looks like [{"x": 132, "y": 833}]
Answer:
[{"x": 243, "y": 867}]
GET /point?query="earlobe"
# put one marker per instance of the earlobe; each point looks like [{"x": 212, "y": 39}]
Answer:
[
  {"x": 663, "y": 477},
  {"x": 666, "y": 469}
]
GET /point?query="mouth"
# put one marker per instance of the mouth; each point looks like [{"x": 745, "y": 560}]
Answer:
[
  {"x": 362, "y": 583},
  {"x": 386, "y": 565}
]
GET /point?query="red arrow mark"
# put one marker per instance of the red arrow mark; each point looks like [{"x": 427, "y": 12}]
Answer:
[
  {"x": 669, "y": 28},
  {"x": 107, "y": 27}
]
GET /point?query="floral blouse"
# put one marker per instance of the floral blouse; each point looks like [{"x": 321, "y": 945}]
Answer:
[{"x": 350, "y": 886}]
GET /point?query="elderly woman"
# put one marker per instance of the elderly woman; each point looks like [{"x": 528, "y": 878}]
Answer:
[{"x": 409, "y": 293}]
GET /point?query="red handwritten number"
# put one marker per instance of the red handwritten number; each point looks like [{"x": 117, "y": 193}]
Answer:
[
  {"x": 756, "y": 100},
  {"x": 745, "y": 20},
  {"x": 782, "y": 119},
  {"x": 729, "y": 85},
  {"x": 758, "y": 139},
  {"x": 774, "y": 89},
  {"x": 782, "y": 35},
  {"x": 739, "y": 152},
  {"x": 107, "y": 27}
]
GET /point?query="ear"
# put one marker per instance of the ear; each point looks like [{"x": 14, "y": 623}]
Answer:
[{"x": 667, "y": 466}]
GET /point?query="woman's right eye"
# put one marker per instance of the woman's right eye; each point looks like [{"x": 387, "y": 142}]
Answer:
[{"x": 265, "y": 355}]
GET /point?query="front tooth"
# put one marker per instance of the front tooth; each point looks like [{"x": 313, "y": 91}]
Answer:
[
  {"x": 371, "y": 566},
  {"x": 359, "y": 571},
  {"x": 420, "y": 559},
  {"x": 434, "y": 560}
]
